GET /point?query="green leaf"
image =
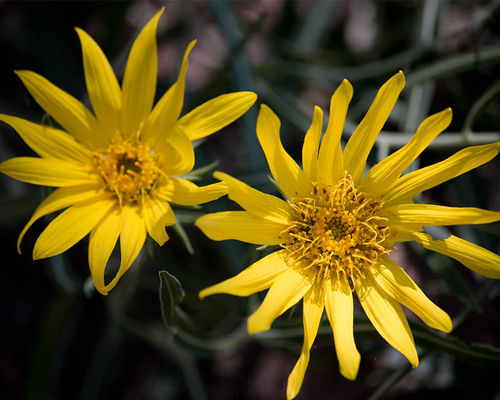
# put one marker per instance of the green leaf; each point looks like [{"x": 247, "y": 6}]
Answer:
[
  {"x": 184, "y": 237},
  {"x": 171, "y": 295},
  {"x": 475, "y": 353},
  {"x": 454, "y": 65}
]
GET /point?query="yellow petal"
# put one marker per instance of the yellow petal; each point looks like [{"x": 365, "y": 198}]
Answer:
[
  {"x": 387, "y": 317},
  {"x": 102, "y": 85},
  {"x": 285, "y": 292},
  {"x": 474, "y": 257},
  {"x": 340, "y": 311},
  {"x": 383, "y": 175},
  {"x": 215, "y": 114},
  {"x": 258, "y": 276},
  {"x": 71, "y": 226},
  {"x": 70, "y": 113},
  {"x": 182, "y": 164},
  {"x": 288, "y": 175},
  {"x": 132, "y": 238},
  {"x": 162, "y": 120},
  {"x": 47, "y": 172},
  {"x": 432, "y": 215},
  {"x": 311, "y": 145},
  {"x": 139, "y": 81},
  {"x": 312, "y": 313},
  {"x": 330, "y": 162},
  {"x": 395, "y": 282},
  {"x": 241, "y": 225},
  {"x": 59, "y": 199},
  {"x": 49, "y": 142},
  {"x": 425, "y": 178},
  {"x": 186, "y": 193},
  {"x": 361, "y": 142},
  {"x": 157, "y": 215},
  {"x": 255, "y": 202},
  {"x": 102, "y": 241}
]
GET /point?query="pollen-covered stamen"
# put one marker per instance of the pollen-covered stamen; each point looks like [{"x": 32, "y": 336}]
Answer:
[
  {"x": 336, "y": 231},
  {"x": 130, "y": 170}
]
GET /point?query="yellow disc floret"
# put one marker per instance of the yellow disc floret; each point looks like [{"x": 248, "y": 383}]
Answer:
[
  {"x": 130, "y": 170},
  {"x": 336, "y": 231}
]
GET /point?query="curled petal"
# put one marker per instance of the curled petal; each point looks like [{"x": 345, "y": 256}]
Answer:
[
  {"x": 312, "y": 313},
  {"x": 285, "y": 292},
  {"x": 186, "y": 193},
  {"x": 102, "y": 241}
]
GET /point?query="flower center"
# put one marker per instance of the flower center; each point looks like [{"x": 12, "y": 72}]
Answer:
[
  {"x": 130, "y": 170},
  {"x": 336, "y": 231}
]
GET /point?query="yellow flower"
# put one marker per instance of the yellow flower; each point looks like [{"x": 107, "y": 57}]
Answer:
[
  {"x": 116, "y": 168},
  {"x": 338, "y": 226}
]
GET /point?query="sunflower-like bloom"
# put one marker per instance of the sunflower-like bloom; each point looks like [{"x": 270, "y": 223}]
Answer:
[
  {"x": 337, "y": 228},
  {"x": 116, "y": 169}
]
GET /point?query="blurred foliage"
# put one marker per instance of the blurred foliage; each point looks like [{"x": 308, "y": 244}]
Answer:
[{"x": 61, "y": 340}]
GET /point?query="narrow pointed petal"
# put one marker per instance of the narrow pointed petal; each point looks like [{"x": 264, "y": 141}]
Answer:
[
  {"x": 102, "y": 85},
  {"x": 102, "y": 241},
  {"x": 139, "y": 81},
  {"x": 474, "y": 257},
  {"x": 382, "y": 176},
  {"x": 255, "y": 202},
  {"x": 70, "y": 113},
  {"x": 387, "y": 317},
  {"x": 288, "y": 175},
  {"x": 157, "y": 215},
  {"x": 285, "y": 292},
  {"x": 432, "y": 215},
  {"x": 49, "y": 142},
  {"x": 59, "y": 199},
  {"x": 330, "y": 162},
  {"x": 241, "y": 225},
  {"x": 163, "y": 119},
  {"x": 311, "y": 145},
  {"x": 340, "y": 311},
  {"x": 425, "y": 178},
  {"x": 186, "y": 193},
  {"x": 395, "y": 282},
  {"x": 47, "y": 172},
  {"x": 71, "y": 226},
  {"x": 313, "y": 311},
  {"x": 215, "y": 114},
  {"x": 361, "y": 142},
  {"x": 257, "y": 277},
  {"x": 132, "y": 237}
]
